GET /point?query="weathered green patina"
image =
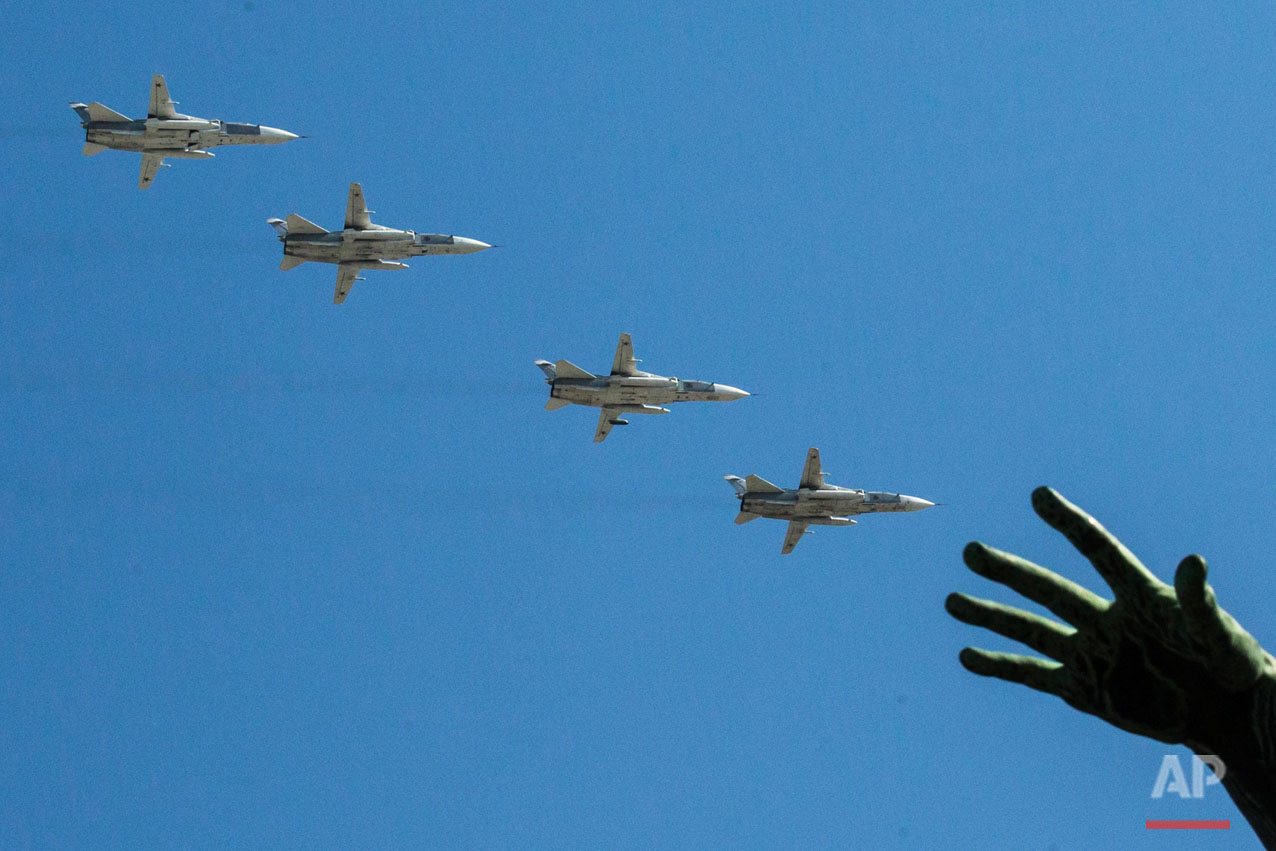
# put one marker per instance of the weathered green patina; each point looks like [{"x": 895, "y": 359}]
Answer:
[{"x": 1158, "y": 660}]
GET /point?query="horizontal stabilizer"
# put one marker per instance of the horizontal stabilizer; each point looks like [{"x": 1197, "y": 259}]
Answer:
[
  {"x": 290, "y": 262},
  {"x": 98, "y": 112},
  {"x": 296, "y": 224},
  {"x": 91, "y": 148},
  {"x": 756, "y": 484},
  {"x": 554, "y": 404},
  {"x": 744, "y": 517},
  {"x": 567, "y": 369}
]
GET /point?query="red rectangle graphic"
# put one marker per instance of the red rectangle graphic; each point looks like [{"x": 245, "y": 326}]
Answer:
[{"x": 1221, "y": 824}]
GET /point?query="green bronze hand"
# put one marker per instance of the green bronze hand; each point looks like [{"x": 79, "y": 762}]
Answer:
[{"x": 1160, "y": 661}]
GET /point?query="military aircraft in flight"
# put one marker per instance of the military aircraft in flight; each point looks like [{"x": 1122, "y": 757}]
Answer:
[
  {"x": 361, "y": 245},
  {"x": 813, "y": 503},
  {"x": 165, "y": 133},
  {"x": 627, "y": 390}
]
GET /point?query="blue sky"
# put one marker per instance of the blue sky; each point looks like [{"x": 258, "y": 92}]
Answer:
[{"x": 284, "y": 574}]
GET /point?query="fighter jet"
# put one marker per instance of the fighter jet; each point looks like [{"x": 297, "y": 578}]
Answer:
[
  {"x": 813, "y": 503},
  {"x": 165, "y": 132},
  {"x": 362, "y": 245},
  {"x": 627, "y": 390}
]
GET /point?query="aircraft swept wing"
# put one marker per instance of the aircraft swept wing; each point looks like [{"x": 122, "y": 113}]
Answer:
[
  {"x": 625, "y": 363},
  {"x": 347, "y": 274},
  {"x": 357, "y": 212},
  {"x": 604, "y": 424},
  {"x": 161, "y": 105},
  {"x": 813, "y": 472},
  {"x": 151, "y": 164},
  {"x": 797, "y": 529}
]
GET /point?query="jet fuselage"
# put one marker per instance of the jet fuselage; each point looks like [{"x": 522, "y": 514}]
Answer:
[
  {"x": 813, "y": 502},
  {"x": 351, "y": 246},
  {"x": 625, "y": 390},
  {"x": 185, "y": 137},
  {"x": 827, "y": 504},
  {"x": 632, "y": 392}
]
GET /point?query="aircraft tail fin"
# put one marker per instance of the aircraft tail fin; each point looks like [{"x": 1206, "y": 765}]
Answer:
[
  {"x": 737, "y": 483},
  {"x": 290, "y": 262},
  {"x": 757, "y": 484},
  {"x": 744, "y": 517},
  {"x": 99, "y": 112},
  {"x": 554, "y": 404},
  {"x": 295, "y": 224},
  {"x": 279, "y": 225},
  {"x": 91, "y": 148},
  {"x": 551, "y": 372},
  {"x": 567, "y": 369}
]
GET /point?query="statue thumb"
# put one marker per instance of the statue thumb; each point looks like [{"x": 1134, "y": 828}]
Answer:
[{"x": 1232, "y": 655}]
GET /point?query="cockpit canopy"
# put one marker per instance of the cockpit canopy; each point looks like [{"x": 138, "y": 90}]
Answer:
[
  {"x": 433, "y": 239},
  {"x": 697, "y": 386}
]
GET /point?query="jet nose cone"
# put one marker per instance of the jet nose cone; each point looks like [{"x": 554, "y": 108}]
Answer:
[
  {"x": 273, "y": 136},
  {"x": 913, "y": 503},
  {"x": 729, "y": 393},
  {"x": 468, "y": 246}
]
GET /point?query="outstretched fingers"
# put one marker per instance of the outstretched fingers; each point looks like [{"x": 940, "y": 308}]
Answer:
[
  {"x": 1050, "y": 677},
  {"x": 1076, "y": 605},
  {"x": 1043, "y": 635},
  {"x": 1234, "y": 657},
  {"x": 1124, "y": 573}
]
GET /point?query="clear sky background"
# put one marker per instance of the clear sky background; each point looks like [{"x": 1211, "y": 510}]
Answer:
[{"x": 282, "y": 574}]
